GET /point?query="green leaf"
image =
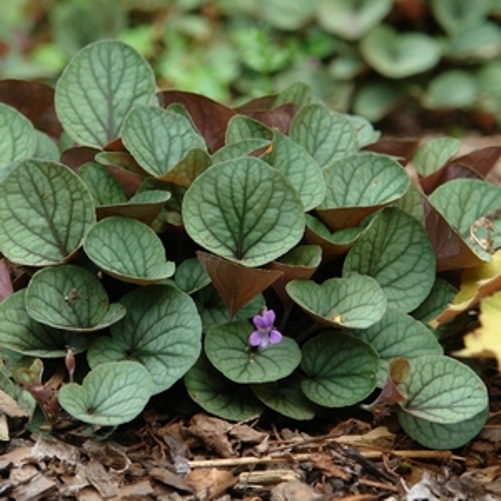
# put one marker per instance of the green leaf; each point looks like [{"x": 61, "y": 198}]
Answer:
[
  {"x": 356, "y": 302},
  {"x": 332, "y": 244},
  {"x": 46, "y": 148},
  {"x": 442, "y": 390},
  {"x": 324, "y": 134},
  {"x": 285, "y": 396},
  {"x": 366, "y": 134},
  {"x": 18, "y": 137},
  {"x": 45, "y": 212},
  {"x": 110, "y": 394},
  {"x": 474, "y": 202},
  {"x": 399, "y": 55},
  {"x": 412, "y": 204},
  {"x": 359, "y": 185},
  {"x": 20, "y": 333},
  {"x": 242, "y": 148},
  {"x": 128, "y": 250},
  {"x": 351, "y": 19},
  {"x": 284, "y": 15},
  {"x": 455, "y": 15},
  {"x": 245, "y": 211},
  {"x": 450, "y": 90},
  {"x": 191, "y": 276},
  {"x": 299, "y": 168},
  {"x": 396, "y": 251},
  {"x": 99, "y": 87},
  {"x": 162, "y": 331},
  {"x": 218, "y": 395},
  {"x": 213, "y": 309},
  {"x": 436, "y": 302},
  {"x": 227, "y": 347},
  {"x": 72, "y": 298},
  {"x": 242, "y": 127},
  {"x": 159, "y": 139},
  {"x": 398, "y": 335},
  {"x": 101, "y": 184},
  {"x": 341, "y": 370},
  {"x": 443, "y": 436},
  {"x": 299, "y": 94},
  {"x": 376, "y": 99},
  {"x": 479, "y": 42},
  {"x": 434, "y": 154}
]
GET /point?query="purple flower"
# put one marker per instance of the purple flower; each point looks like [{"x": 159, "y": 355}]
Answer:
[{"x": 266, "y": 332}]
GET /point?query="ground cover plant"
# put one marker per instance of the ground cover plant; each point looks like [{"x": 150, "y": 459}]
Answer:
[{"x": 277, "y": 256}]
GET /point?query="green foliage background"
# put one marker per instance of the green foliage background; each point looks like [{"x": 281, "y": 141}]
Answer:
[{"x": 363, "y": 56}]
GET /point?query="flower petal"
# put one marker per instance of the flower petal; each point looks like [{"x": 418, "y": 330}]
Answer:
[
  {"x": 264, "y": 341},
  {"x": 260, "y": 322},
  {"x": 269, "y": 317},
  {"x": 275, "y": 336},
  {"x": 255, "y": 338}
]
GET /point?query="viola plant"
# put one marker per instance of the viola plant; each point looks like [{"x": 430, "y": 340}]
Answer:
[{"x": 142, "y": 231}]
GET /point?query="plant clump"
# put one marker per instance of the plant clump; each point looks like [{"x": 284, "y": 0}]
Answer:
[{"x": 141, "y": 231}]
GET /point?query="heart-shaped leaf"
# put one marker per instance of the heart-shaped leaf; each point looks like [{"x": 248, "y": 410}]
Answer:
[
  {"x": 46, "y": 148},
  {"x": 351, "y": 19},
  {"x": 242, "y": 148},
  {"x": 244, "y": 210},
  {"x": 241, "y": 127},
  {"x": 210, "y": 118},
  {"x": 399, "y": 56},
  {"x": 20, "y": 333},
  {"x": 434, "y": 154},
  {"x": 285, "y": 397},
  {"x": 101, "y": 184},
  {"x": 128, "y": 250},
  {"x": 218, "y": 395},
  {"x": 110, "y": 394},
  {"x": 45, "y": 212},
  {"x": 438, "y": 95},
  {"x": 443, "y": 436},
  {"x": 298, "y": 264},
  {"x": 332, "y": 244},
  {"x": 398, "y": 335},
  {"x": 324, "y": 134},
  {"x": 227, "y": 347},
  {"x": 191, "y": 276},
  {"x": 162, "y": 330},
  {"x": 451, "y": 250},
  {"x": 236, "y": 284},
  {"x": 72, "y": 298},
  {"x": 439, "y": 297},
  {"x": 341, "y": 370},
  {"x": 304, "y": 173},
  {"x": 476, "y": 203},
  {"x": 443, "y": 390},
  {"x": 214, "y": 311},
  {"x": 159, "y": 139},
  {"x": 454, "y": 15},
  {"x": 356, "y": 302},
  {"x": 18, "y": 137},
  {"x": 93, "y": 95},
  {"x": 396, "y": 252},
  {"x": 358, "y": 186}
]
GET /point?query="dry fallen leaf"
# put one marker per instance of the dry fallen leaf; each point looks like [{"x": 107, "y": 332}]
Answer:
[{"x": 486, "y": 340}]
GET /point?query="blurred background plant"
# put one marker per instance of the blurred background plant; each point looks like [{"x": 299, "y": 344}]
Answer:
[{"x": 369, "y": 57}]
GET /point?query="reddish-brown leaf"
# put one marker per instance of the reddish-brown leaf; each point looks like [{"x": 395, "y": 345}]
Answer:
[
  {"x": 404, "y": 149},
  {"x": 209, "y": 117},
  {"x": 35, "y": 100},
  {"x": 236, "y": 283},
  {"x": 6, "y": 288},
  {"x": 451, "y": 251},
  {"x": 277, "y": 118}
]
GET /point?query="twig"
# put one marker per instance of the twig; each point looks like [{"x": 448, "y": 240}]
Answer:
[{"x": 302, "y": 458}]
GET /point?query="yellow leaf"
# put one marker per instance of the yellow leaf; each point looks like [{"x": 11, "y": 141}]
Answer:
[
  {"x": 476, "y": 283},
  {"x": 486, "y": 340}
]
